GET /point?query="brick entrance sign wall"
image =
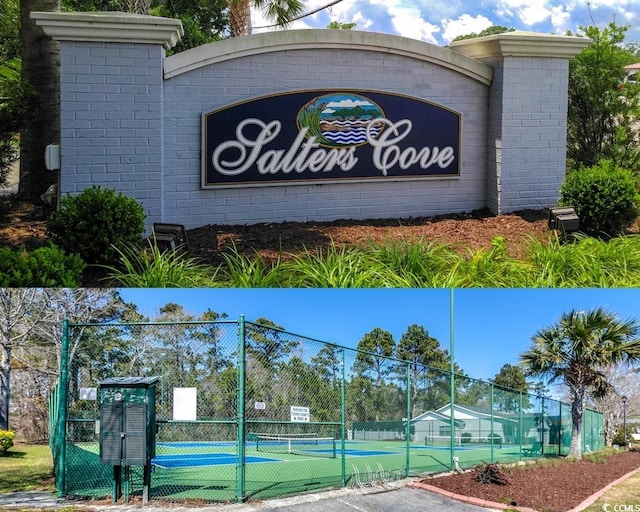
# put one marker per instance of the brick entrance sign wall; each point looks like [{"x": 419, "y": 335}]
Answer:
[{"x": 309, "y": 124}]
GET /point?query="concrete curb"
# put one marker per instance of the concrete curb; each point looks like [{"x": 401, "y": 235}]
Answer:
[
  {"x": 591, "y": 499},
  {"x": 467, "y": 499},
  {"x": 501, "y": 506}
]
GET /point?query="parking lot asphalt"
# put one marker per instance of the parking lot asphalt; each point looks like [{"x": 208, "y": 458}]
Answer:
[{"x": 396, "y": 498}]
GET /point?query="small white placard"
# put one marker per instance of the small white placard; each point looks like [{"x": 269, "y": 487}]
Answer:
[
  {"x": 185, "y": 404},
  {"x": 88, "y": 393},
  {"x": 299, "y": 414},
  {"x": 260, "y": 406}
]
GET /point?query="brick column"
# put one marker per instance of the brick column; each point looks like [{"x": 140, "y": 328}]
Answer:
[
  {"x": 111, "y": 91},
  {"x": 527, "y": 125}
]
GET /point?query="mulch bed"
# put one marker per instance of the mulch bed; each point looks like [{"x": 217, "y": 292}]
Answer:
[{"x": 547, "y": 488}]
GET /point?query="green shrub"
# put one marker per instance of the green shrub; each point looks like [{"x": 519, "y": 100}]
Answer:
[
  {"x": 46, "y": 267},
  {"x": 95, "y": 223},
  {"x": 619, "y": 438},
  {"x": 605, "y": 198},
  {"x": 6, "y": 440}
]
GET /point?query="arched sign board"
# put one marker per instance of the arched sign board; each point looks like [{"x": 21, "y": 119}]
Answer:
[{"x": 316, "y": 136}]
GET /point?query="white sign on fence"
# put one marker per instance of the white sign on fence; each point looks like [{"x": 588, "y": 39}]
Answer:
[
  {"x": 185, "y": 404},
  {"x": 299, "y": 414}
]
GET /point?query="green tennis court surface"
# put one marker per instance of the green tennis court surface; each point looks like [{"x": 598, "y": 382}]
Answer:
[{"x": 209, "y": 470}]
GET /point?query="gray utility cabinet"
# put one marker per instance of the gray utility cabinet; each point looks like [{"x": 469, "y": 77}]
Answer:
[{"x": 128, "y": 427}]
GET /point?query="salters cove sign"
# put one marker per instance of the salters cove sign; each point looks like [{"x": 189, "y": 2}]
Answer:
[{"x": 321, "y": 135}]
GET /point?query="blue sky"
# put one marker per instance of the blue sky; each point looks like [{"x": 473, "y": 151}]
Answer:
[
  {"x": 439, "y": 21},
  {"x": 491, "y": 327}
]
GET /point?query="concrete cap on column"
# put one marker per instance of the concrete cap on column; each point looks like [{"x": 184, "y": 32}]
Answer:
[
  {"x": 521, "y": 44},
  {"x": 112, "y": 27}
]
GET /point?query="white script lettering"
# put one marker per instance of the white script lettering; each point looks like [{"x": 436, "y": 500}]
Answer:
[
  {"x": 302, "y": 155},
  {"x": 387, "y": 154},
  {"x": 306, "y": 154}
]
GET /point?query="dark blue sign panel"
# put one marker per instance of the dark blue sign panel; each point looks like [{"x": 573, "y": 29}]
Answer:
[{"x": 329, "y": 135}]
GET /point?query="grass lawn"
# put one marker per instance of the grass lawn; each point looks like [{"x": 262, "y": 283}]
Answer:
[
  {"x": 624, "y": 496},
  {"x": 26, "y": 467}
]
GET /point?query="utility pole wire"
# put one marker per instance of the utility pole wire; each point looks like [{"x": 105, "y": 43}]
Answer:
[{"x": 304, "y": 15}]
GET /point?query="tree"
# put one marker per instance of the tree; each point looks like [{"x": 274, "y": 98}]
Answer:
[
  {"x": 203, "y": 22},
  {"x": 489, "y": 31},
  {"x": 336, "y": 25},
  {"x": 282, "y": 12},
  {"x": 41, "y": 70},
  {"x": 424, "y": 356},
  {"x": 514, "y": 379},
  {"x": 602, "y": 113},
  {"x": 625, "y": 383},
  {"x": 576, "y": 351},
  {"x": 20, "y": 312},
  {"x": 9, "y": 30},
  {"x": 374, "y": 350},
  {"x": 327, "y": 363}
]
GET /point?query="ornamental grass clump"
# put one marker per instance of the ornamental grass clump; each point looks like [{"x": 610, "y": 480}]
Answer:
[{"x": 150, "y": 267}]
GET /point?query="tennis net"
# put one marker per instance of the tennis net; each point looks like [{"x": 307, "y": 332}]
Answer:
[
  {"x": 314, "y": 446},
  {"x": 462, "y": 441}
]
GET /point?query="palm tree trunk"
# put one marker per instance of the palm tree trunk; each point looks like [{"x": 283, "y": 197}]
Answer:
[
  {"x": 240, "y": 17},
  {"x": 577, "y": 408},
  {"x": 40, "y": 68}
]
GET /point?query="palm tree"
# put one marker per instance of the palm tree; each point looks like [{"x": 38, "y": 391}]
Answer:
[
  {"x": 576, "y": 351},
  {"x": 282, "y": 12}
]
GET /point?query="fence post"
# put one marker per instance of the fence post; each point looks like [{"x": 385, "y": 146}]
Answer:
[
  {"x": 61, "y": 425},
  {"x": 240, "y": 412},
  {"x": 491, "y": 427},
  {"x": 343, "y": 419},
  {"x": 408, "y": 428},
  {"x": 452, "y": 385},
  {"x": 520, "y": 426}
]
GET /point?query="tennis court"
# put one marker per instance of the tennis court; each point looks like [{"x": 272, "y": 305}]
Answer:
[
  {"x": 234, "y": 411},
  {"x": 209, "y": 470}
]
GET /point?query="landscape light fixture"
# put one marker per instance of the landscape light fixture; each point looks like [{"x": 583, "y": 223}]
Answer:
[
  {"x": 168, "y": 237},
  {"x": 564, "y": 219}
]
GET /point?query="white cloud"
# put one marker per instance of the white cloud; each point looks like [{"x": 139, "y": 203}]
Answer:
[
  {"x": 440, "y": 21},
  {"x": 534, "y": 14},
  {"x": 465, "y": 24},
  {"x": 560, "y": 19}
]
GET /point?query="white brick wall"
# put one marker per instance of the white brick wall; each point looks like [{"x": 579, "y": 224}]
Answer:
[{"x": 111, "y": 126}]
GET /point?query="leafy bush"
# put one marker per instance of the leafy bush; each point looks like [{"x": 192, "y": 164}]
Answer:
[
  {"x": 465, "y": 437},
  {"x": 6, "y": 440},
  {"x": 604, "y": 197},
  {"x": 19, "y": 104},
  {"x": 95, "y": 223},
  {"x": 619, "y": 438},
  {"x": 46, "y": 266}
]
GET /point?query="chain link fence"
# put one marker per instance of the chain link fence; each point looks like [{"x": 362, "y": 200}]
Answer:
[{"x": 247, "y": 411}]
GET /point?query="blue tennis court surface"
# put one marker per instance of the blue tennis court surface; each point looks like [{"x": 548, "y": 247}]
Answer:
[
  {"x": 197, "y": 444},
  {"x": 203, "y": 459}
]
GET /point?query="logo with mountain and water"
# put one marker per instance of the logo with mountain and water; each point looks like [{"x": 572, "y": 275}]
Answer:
[{"x": 341, "y": 119}]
